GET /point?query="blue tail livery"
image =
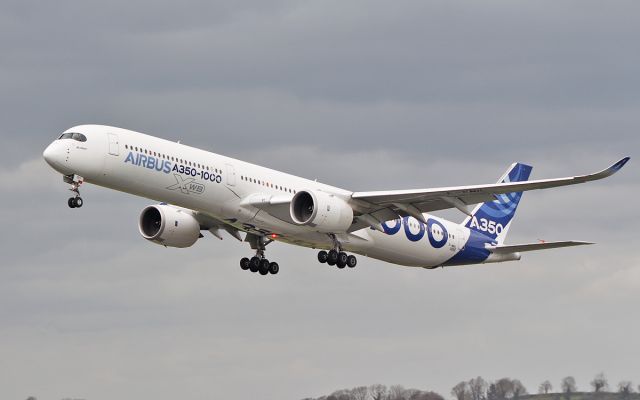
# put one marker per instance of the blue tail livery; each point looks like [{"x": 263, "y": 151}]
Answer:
[{"x": 493, "y": 218}]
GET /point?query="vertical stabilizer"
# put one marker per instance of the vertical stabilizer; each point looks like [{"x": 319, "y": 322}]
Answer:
[{"x": 493, "y": 218}]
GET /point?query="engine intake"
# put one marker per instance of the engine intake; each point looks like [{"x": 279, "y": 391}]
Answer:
[
  {"x": 321, "y": 210},
  {"x": 169, "y": 226}
]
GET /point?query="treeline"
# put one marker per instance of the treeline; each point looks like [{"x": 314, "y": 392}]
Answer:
[
  {"x": 380, "y": 392},
  {"x": 480, "y": 389}
]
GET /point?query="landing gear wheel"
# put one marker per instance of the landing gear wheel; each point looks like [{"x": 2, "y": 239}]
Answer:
[
  {"x": 342, "y": 260},
  {"x": 78, "y": 202},
  {"x": 323, "y": 256},
  {"x": 254, "y": 264},
  {"x": 332, "y": 258},
  {"x": 72, "y": 202},
  {"x": 244, "y": 263},
  {"x": 274, "y": 268},
  {"x": 351, "y": 261},
  {"x": 264, "y": 267}
]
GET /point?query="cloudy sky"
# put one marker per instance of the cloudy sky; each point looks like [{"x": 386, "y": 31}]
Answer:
[{"x": 360, "y": 94}]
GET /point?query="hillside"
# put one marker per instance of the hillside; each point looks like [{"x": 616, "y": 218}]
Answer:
[{"x": 582, "y": 396}]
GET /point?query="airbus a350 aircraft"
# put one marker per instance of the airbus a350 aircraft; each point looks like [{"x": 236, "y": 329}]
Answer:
[{"x": 202, "y": 191}]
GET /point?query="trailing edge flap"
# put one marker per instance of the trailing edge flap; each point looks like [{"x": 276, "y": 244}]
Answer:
[
  {"x": 519, "y": 248},
  {"x": 277, "y": 206}
]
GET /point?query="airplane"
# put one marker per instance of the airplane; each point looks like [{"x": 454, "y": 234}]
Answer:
[{"x": 201, "y": 191}]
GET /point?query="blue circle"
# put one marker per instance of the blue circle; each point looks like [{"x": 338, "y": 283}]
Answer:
[
  {"x": 394, "y": 230},
  {"x": 414, "y": 237},
  {"x": 435, "y": 243}
]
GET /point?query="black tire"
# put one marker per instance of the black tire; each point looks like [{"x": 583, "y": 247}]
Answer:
[
  {"x": 332, "y": 258},
  {"x": 341, "y": 264},
  {"x": 342, "y": 258},
  {"x": 323, "y": 256},
  {"x": 254, "y": 264},
  {"x": 274, "y": 268},
  {"x": 78, "y": 201},
  {"x": 71, "y": 202},
  {"x": 244, "y": 263},
  {"x": 264, "y": 267},
  {"x": 352, "y": 261}
]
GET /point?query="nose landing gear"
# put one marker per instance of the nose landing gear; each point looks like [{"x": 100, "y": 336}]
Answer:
[{"x": 75, "y": 181}]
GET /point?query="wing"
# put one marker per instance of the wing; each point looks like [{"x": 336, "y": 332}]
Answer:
[
  {"x": 519, "y": 248},
  {"x": 381, "y": 206}
]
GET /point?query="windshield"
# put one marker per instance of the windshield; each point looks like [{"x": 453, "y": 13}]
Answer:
[{"x": 73, "y": 135}]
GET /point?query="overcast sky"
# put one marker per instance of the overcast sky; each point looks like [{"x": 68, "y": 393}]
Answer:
[{"x": 360, "y": 94}]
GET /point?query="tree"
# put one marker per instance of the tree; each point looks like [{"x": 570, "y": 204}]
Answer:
[
  {"x": 625, "y": 388},
  {"x": 396, "y": 392},
  {"x": 420, "y": 395},
  {"x": 545, "y": 387},
  {"x": 478, "y": 388},
  {"x": 568, "y": 386},
  {"x": 461, "y": 391},
  {"x": 492, "y": 392},
  {"x": 518, "y": 388},
  {"x": 360, "y": 393},
  {"x": 378, "y": 392},
  {"x": 599, "y": 383},
  {"x": 504, "y": 388}
]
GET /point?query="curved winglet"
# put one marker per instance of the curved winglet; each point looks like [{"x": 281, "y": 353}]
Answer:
[{"x": 616, "y": 167}]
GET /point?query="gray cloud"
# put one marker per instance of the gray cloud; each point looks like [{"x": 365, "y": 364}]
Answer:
[{"x": 363, "y": 95}]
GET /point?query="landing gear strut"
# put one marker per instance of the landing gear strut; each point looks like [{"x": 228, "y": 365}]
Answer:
[
  {"x": 75, "y": 181},
  {"x": 336, "y": 256},
  {"x": 259, "y": 262}
]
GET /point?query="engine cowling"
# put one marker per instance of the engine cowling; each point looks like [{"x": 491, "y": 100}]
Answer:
[
  {"x": 169, "y": 226},
  {"x": 321, "y": 210}
]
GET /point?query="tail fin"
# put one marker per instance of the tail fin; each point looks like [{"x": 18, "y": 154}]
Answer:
[{"x": 493, "y": 218}]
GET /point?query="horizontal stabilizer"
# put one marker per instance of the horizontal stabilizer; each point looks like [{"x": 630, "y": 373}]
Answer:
[{"x": 519, "y": 248}]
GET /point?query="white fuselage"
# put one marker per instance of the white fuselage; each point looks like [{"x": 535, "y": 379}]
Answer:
[{"x": 218, "y": 186}]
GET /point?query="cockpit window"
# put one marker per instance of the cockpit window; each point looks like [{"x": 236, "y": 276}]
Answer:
[{"x": 73, "y": 135}]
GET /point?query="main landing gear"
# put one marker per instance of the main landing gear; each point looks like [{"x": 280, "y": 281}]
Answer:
[
  {"x": 259, "y": 262},
  {"x": 75, "y": 181},
  {"x": 337, "y": 257}
]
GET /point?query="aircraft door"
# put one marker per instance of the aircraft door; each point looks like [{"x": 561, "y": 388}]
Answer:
[
  {"x": 459, "y": 239},
  {"x": 231, "y": 175},
  {"x": 114, "y": 147}
]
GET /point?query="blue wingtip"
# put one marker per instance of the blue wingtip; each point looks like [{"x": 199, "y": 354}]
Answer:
[{"x": 617, "y": 166}]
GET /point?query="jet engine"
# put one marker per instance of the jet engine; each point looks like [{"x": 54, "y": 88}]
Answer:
[
  {"x": 169, "y": 226},
  {"x": 321, "y": 210}
]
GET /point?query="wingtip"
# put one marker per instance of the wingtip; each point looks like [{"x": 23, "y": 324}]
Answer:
[{"x": 618, "y": 166}]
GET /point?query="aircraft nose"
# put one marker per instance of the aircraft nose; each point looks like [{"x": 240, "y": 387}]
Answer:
[
  {"x": 53, "y": 156},
  {"x": 49, "y": 154}
]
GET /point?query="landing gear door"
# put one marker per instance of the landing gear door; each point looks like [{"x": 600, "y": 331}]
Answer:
[
  {"x": 114, "y": 147},
  {"x": 231, "y": 175}
]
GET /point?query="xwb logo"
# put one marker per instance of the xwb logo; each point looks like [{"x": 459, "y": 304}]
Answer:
[{"x": 187, "y": 186}]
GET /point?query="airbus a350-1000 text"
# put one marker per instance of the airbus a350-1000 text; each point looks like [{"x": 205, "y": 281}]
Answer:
[{"x": 201, "y": 191}]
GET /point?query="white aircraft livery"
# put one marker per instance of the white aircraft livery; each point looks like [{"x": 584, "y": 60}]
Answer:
[{"x": 202, "y": 191}]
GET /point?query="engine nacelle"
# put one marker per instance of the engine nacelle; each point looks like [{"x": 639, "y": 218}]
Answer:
[
  {"x": 323, "y": 211},
  {"x": 169, "y": 226}
]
